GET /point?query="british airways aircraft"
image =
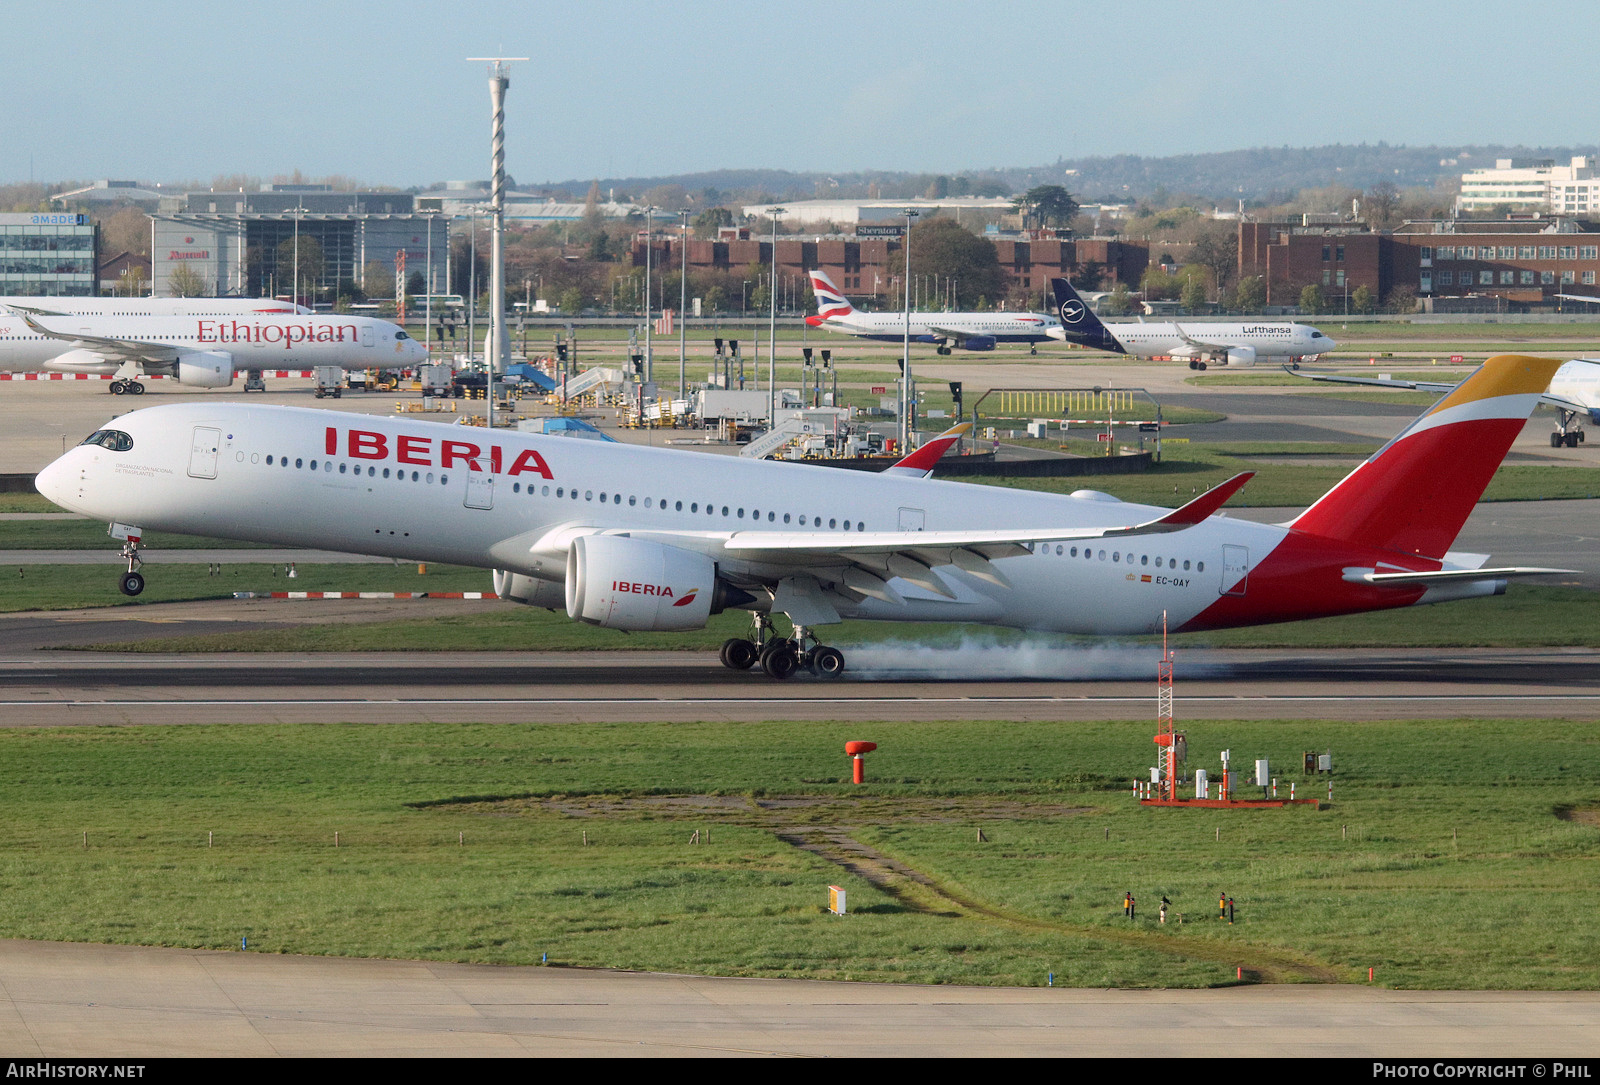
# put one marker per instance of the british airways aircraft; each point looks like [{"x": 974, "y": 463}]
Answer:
[
  {"x": 202, "y": 351},
  {"x": 969, "y": 331},
  {"x": 635, "y": 538},
  {"x": 1200, "y": 344}
]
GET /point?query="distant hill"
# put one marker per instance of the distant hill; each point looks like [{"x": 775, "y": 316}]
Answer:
[{"x": 1256, "y": 174}]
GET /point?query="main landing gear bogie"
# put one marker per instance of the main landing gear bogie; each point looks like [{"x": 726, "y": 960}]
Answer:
[
  {"x": 782, "y": 657},
  {"x": 126, "y": 388}
]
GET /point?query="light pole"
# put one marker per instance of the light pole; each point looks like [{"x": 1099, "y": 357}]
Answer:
[
  {"x": 905, "y": 364},
  {"x": 427, "y": 297},
  {"x": 683, "y": 300},
  {"x": 649, "y": 235},
  {"x": 298, "y": 211},
  {"x": 772, "y": 328}
]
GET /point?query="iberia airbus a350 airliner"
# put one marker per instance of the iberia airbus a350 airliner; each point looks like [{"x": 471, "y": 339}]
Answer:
[{"x": 659, "y": 539}]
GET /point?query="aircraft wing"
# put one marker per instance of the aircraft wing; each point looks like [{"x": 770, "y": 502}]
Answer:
[
  {"x": 958, "y": 334},
  {"x": 1380, "y": 382},
  {"x": 1425, "y": 386},
  {"x": 1199, "y": 344},
  {"x": 23, "y": 310},
  {"x": 125, "y": 350}
]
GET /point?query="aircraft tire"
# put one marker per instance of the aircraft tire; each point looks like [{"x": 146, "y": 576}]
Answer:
[
  {"x": 135, "y": 388},
  {"x": 116, "y": 388},
  {"x": 826, "y": 662},
  {"x": 738, "y": 654},
  {"x": 778, "y": 659},
  {"x": 1555, "y": 440},
  {"x": 132, "y": 583}
]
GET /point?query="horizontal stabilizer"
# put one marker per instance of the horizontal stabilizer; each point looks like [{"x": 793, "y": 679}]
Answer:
[{"x": 1445, "y": 576}]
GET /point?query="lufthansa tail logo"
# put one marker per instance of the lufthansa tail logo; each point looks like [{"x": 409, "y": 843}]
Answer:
[{"x": 1071, "y": 312}]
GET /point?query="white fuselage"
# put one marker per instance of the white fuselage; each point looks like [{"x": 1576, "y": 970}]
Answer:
[
  {"x": 1258, "y": 339},
  {"x": 1001, "y": 327},
  {"x": 423, "y": 491},
  {"x": 252, "y": 341},
  {"x": 1579, "y": 382}
]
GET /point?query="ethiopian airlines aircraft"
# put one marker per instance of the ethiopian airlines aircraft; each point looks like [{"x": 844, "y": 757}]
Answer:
[
  {"x": 204, "y": 351},
  {"x": 1227, "y": 344},
  {"x": 969, "y": 331},
  {"x": 636, "y": 538}
]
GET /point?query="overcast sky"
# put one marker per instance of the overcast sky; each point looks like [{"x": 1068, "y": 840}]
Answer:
[{"x": 171, "y": 89}]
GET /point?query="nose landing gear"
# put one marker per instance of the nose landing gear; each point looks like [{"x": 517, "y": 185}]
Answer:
[{"x": 132, "y": 580}]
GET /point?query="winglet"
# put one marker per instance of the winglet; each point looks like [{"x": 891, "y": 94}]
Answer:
[
  {"x": 920, "y": 463},
  {"x": 1196, "y": 510}
]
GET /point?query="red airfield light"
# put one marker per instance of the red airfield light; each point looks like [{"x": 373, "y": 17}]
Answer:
[{"x": 856, "y": 750}]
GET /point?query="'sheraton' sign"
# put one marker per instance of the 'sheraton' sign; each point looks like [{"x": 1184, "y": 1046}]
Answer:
[{"x": 884, "y": 230}]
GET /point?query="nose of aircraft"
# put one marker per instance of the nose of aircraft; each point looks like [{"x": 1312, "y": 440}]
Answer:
[{"x": 52, "y": 481}]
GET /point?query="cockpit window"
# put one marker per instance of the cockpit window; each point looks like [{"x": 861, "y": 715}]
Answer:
[
  {"x": 114, "y": 439},
  {"x": 401, "y": 335}
]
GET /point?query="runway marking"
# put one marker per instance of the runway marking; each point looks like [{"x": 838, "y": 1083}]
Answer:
[{"x": 796, "y": 701}]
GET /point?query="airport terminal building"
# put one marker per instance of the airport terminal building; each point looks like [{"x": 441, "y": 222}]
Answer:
[
  {"x": 1504, "y": 265},
  {"x": 47, "y": 253},
  {"x": 240, "y": 243}
]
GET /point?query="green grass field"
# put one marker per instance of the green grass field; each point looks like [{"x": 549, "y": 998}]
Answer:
[{"x": 1456, "y": 853}]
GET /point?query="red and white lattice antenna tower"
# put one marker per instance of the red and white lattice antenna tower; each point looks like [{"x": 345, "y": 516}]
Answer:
[
  {"x": 1165, "y": 736},
  {"x": 400, "y": 286}
]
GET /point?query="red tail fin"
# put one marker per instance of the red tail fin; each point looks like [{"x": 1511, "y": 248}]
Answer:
[{"x": 1415, "y": 492}]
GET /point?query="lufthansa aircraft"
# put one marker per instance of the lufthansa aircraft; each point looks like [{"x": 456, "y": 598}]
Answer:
[
  {"x": 204, "y": 351},
  {"x": 636, "y": 538},
  {"x": 1226, "y": 344},
  {"x": 969, "y": 331}
]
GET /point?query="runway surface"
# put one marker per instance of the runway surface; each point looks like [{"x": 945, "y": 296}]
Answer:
[
  {"x": 60, "y": 689},
  {"x": 131, "y": 1002}
]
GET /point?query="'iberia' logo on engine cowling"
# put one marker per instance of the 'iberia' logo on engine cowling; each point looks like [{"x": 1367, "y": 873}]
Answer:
[
  {"x": 634, "y": 587},
  {"x": 426, "y": 452}
]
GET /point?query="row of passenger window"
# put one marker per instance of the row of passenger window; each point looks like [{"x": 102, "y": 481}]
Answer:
[
  {"x": 345, "y": 468},
  {"x": 694, "y": 507},
  {"x": 1117, "y": 556}
]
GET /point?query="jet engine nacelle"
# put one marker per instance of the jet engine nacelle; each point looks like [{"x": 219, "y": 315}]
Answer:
[
  {"x": 624, "y": 583},
  {"x": 529, "y": 590},
  {"x": 1241, "y": 356},
  {"x": 978, "y": 342},
  {"x": 81, "y": 361},
  {"x": 206, "y": 369}
]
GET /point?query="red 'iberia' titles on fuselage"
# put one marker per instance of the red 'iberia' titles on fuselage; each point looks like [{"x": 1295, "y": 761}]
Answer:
[{"x": 426, "y": 452}]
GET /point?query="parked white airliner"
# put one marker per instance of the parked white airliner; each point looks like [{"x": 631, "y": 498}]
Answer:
[
  {"x": 636, "y": 538},
  {"x": 1574, "y": 392},
  {"x": 969, "y": 331},
  {"x": 1201, "y": 344},
  {"x": 204, "y": 351}
]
